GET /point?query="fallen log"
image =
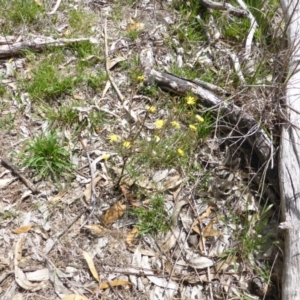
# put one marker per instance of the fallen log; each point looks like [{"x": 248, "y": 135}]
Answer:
[
  {"x": 36, "y": 44},
  {"x": 243, "y": 122},
  {"x": 289, "y": 158}
]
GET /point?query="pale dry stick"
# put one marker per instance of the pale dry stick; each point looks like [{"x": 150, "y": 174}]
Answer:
[
  {"x": 224, "y": 6},
  {"x": 55, "y": 8},
  {"x": 269, "y": 279},
  {"x": 208, "y": 268},
  {"x": 93, "y": 192},
  {"x": 36, "y": 44},
  {"x": 253, "y": 27},
  {"x": 121, "y": 97},
  {"x": 237, "y": 66}
]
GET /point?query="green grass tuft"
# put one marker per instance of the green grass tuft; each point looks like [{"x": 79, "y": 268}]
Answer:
[{"x": 46, "y": 156}]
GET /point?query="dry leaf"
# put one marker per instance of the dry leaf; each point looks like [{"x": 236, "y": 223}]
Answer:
[
  {"x": 20, "y": 277},
  {"x": 105, "y": 285},
  {"x": 172, "y": 182},
  {"x": 57, "y": 197},
  {"x": 128, "y": 196},
  {"x": 78, "y": 97},
  {"x": 67, "y": 32},
  {"x": 88, "y": 190},
  {"x": 95, "y": 229},
  {"x": 106, "y": 88},
  {"x": 38, "y": 2},
  {"x": 207, "y": 232},
  {"x": 59, "y": 287},
  {"x": 24, "y": 282},
  {"x": 18, "y": 251},
  {"x": 38, "y": 275},
  {"x": 74, "y": 297},
  {"x": 135, "y": 26},
  {"x": 114, "y": 213},
  {"x": 22, "y": 229},
  {"x": 199, "y": 262},
  {"x": 91, "y": 265},
  {"x": 131, "y": 235},
  {"x": 5, "y": 182},
  {"x": 111, "y": 63}
]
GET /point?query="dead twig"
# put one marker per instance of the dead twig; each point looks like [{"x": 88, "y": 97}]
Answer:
[
  {"x": 253, "y": 27},
  {"x": 121, "y": 97},
  {"x": 5, "y": 163},
  {"x": 114, "y": 290},
  {"x": 55, "y": 8},
  {"x": 93, "y": 192}
]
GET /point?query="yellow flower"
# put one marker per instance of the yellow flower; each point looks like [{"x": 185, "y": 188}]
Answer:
[
  {"x": 127, "y": 144},
  {"x": 175, "y": 124},
  {"x": 113, "y": 138},
  {"x": 105, "y": 156},
  {"x": 141, "y": 78},
  {"x": 193, "y": 127},
  {"x": 159, "y": 124},
  {"x": 180, "y": 152},
  {"x": 199, "y": 118},
  {"x": 151, "y": 108},
  {"x": 157, "y": 138},
  {"x": 190, "y": 100}
]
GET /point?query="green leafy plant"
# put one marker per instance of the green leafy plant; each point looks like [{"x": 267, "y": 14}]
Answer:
[
  {"x": 81, "y": 21},
  {"x": 154, "y": 218},
  {"x": 22, "y": 11},
  {"x": 2, "y": 90},
  {"x": 46, "y": 156},
  {"x": 48, "y": 82},
  {"x": 6, "y": 121}
]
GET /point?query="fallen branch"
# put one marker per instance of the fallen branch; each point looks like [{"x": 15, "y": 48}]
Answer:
[
  {"x": 224, "y": 6},
  {"x": 253, "y": 133},
  {"x": 55, "y": 8},
  {"x": 253, "y": 27},
  {"x": 121, "y": 97},
  {"x": 37, "y": 44},
  {"x": 289, "y": 158},
  {"x": 246, "y": 124},
  {"x": 93, "y": 192},
  {"x": 5, "y": 163}
]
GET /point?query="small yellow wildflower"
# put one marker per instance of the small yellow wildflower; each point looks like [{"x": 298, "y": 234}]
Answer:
[
  {"x": 157, "y": 138},
  {"x": 180, "y": 152},
  {"x": 151, "y": 109},
  {"x": 113, "y": 138},
  {"x": 159, "y": 124},
  {"x": 105, "y": 156},
  {"x": 190, "y": 100},
  {"x": 199, "y": 118},
  {"x": 175, "y": 124},
  {"x": 141, "y": 78},
  {"x": 127, "y": 144},
  {"x": 193, "y": 127}
]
